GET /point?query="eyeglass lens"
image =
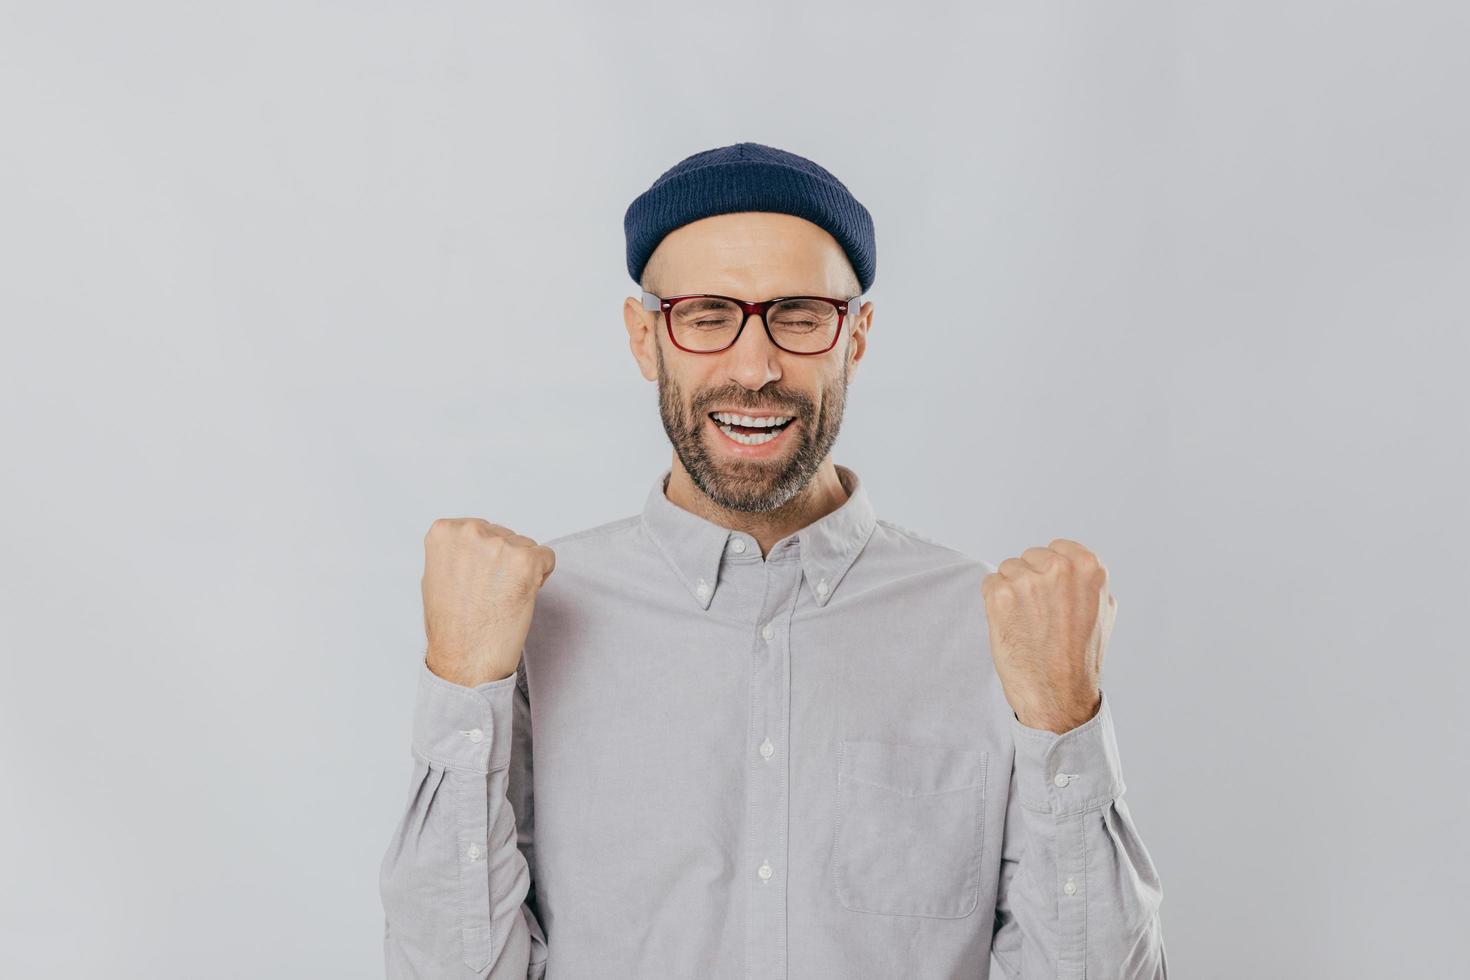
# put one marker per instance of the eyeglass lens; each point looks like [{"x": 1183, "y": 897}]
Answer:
[{"x": 798, "y": 325}]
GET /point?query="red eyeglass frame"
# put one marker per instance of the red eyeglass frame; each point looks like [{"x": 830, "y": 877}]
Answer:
[{"x": 653, "y": 304}]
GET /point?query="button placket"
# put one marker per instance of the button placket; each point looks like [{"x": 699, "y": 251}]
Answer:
[{"x": 768, "y": 833}]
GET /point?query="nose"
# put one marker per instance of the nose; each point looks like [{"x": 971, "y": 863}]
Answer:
[{"x": 753, "y": 360}]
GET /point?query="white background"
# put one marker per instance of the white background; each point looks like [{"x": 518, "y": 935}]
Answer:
[{"x": 280, "y": 283}]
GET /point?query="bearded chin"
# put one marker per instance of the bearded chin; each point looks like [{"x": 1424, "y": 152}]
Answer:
[{"x": 750, "y": 488}]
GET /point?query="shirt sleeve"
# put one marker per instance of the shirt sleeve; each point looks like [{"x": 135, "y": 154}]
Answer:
[
  {"x": 1079, "y": 896},
  {"x": 457, "y": 893}
]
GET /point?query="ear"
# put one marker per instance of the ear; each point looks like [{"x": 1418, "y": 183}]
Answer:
[
  {"x": 857, "y": 344},
  {"x": 642, "y": 336}
]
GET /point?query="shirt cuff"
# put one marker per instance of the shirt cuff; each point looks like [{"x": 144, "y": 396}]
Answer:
[
  {"x": 465, "y": 728},
  {"x": 1071, "y": 772}
]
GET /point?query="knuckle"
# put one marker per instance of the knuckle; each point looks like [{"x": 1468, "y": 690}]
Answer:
[
  {"x": 522, "y": 586},
  {"x": 522, "y": 559}
]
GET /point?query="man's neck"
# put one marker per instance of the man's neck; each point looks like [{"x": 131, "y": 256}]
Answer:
[{"x": 824, "y": 494}]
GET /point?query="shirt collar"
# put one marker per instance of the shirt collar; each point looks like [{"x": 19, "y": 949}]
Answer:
[{"x": 695, "y": 546}]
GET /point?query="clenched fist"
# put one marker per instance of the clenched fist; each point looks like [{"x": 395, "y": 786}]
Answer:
[
  {"x": 480, "y": 585},
  {"x": 1050, "y": 613}
]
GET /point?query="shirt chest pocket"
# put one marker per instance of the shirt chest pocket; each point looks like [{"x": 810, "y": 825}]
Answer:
[{"x": 908, "y": 828}]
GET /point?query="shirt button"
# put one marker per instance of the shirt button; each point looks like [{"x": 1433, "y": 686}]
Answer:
[
  {"x": 768, "y": 631},
  {"x": 822, "y": 587},
  {"x": 764, "y": 871},
  {"x": 474, "y": 852},
  {"x": 1070, "y": 887},
  {"x": 767, "y": 748},
  {"x": 1061, "y": 779},
  {"x": 703, "y": 588},
  {"x": 738, "y": 547},
  {"x": 475, "y": 735}
]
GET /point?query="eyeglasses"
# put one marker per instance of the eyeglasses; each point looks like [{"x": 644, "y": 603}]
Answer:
[{"x": 703, "y": 323}]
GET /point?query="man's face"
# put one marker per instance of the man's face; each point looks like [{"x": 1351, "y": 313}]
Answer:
[{"x": 753, "y": 256}]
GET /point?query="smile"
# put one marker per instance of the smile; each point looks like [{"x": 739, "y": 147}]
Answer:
[{"x": 748, "y": 430}]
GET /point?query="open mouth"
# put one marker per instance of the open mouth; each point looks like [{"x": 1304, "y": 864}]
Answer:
[{"x": 750, "y": 430}]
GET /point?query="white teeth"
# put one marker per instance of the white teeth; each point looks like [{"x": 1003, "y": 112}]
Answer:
[
  {"x": 727, "y": 419},
  {"x": 754, "y": 439},
  {"x": 765, "y": 420}
]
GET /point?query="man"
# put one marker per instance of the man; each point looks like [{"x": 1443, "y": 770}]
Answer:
[{"x": 754, "y": 730}]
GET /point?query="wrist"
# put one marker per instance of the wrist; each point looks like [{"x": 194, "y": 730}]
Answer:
[
  {"x": 1060, "y": 719},
  {"x": 467, "y": 675}
]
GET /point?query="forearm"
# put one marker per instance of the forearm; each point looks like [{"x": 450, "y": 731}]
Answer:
[
  {"x": 1080, "y": 894},
  {"x": 453, "y": 880}
]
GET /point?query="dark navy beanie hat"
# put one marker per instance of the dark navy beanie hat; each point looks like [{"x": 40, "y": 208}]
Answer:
[{"x": 749, "y": 177}]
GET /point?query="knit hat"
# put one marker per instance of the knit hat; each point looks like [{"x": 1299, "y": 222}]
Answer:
[{"x": 749, "y": 177}]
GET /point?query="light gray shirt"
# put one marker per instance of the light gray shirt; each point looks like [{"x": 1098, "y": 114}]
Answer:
[{"x": 713, "y": 764}]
